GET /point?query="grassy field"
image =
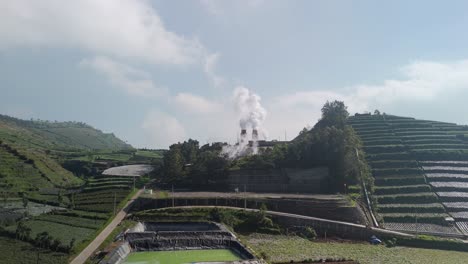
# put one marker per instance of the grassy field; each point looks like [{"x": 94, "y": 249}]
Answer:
[
  {"x": 280, "y": 248},
  {"x": 180, "y": 257}
]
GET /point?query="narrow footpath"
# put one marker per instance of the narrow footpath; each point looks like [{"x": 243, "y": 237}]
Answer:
[{"x": 93, "y": 246}]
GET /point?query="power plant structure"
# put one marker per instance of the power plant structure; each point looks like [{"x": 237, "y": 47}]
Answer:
[{"x": 255, "y": 141}]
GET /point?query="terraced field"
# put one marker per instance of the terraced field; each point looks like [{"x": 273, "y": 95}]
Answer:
[
  {"x": 103, "y": 193},
  {"x": 421, "y": 172},
  {"x": 89, "y": 210},
  {"x": 449, "y": 180}
]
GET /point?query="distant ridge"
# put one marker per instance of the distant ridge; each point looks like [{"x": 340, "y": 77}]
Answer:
[{"x": 52, "y": 135}]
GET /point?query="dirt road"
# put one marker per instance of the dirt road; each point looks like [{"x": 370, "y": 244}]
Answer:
[{"x": 93, "y": 246}]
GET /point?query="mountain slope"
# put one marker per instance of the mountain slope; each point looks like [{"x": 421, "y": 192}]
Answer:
[
  {"x": 30, "y": 152},
  {"x": 419, "y": 167},
  {"x": 64, "y": 136}
]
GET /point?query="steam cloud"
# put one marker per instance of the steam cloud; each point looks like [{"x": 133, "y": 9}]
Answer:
[
  {"x": 252, "y": 113},
  {"x": 251, "y": 116}
]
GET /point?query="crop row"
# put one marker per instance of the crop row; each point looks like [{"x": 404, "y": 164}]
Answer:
[
  {"x": 460, "y": 215},
  {"x": 98, "y": 183},
  {"x": 463, "y": 226},
  {"x": 83, "y": 214},
  {"x": 421, "y": 227},
  {"x": 381, "y": 164},
  {"x": 71, "y": 221},
  {"x": 445, "y": 168},
  {"x": 101, "y": 188},
  {"x": 402, "y": 189},
  {"x": 431, "y": 141},
  {"x": 98, "y": 193},
  {"x": 110, "y": 178},
  {"x": 407, "y": 198},
  {"x": 447, "y": 177},
  {"x": 65, "y": 233},
  {"x": 420, "y": 133},
  {"x": 96, "y": 199},
  {"x": 450, "y": 186},
  {"x": 431, "y": 218},
  {"x": 102, "y": 200},
  {"x": 396, "y": 171},
  {"x": 101, "y": 207},
  {"x": 453, "y": 196},
  {"x": 413, "y": 126},
  {"x": 379, "y": 142},
  {"x": 411, "y": 208},
  {"x": 457, "y": 163},
  {"x": 393, "y": 181},
  {"x": 389, "y": 156},
  {"x": 370, "y": 126},
  {"x": 384, "y": 149}
]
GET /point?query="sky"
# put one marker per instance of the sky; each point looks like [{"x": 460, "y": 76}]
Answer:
[{"x": 158, "y": 72}]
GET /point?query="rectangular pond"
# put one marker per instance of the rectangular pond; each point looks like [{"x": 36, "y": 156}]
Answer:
[{"x": 182, "y": 256}]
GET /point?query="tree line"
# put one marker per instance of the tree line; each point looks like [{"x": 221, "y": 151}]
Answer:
[{"x": 331, "y": 142}]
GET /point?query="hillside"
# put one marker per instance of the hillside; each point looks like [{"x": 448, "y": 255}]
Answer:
[
  {"x": 60, "y": 136},
  {"x": 31, "y": 153},
  {"x": 421, "y": 172}
]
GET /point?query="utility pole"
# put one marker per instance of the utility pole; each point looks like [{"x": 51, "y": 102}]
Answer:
[
  {"x": 133, "y": 183},
  {"x": 172, "y": 195},
  {"x": 245, "y": 197},
  {"x": 115, "y": 198}
]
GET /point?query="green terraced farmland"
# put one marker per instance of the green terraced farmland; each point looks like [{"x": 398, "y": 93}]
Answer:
[
  {"x": 412, "y": 180},
  {"x": 182, "y": 256}
]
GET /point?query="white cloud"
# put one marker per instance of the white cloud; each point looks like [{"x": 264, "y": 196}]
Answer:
[
  {"x": 132, "y": 80},
  {"x": 198, "y": 104},
  {"x": 217, "y": 7},
  {"x": 209, "y": 68},
  {"x": 162, "y": 130},
  {"x": 122, "y": 28},
  {"x": 423, "y": 82}
]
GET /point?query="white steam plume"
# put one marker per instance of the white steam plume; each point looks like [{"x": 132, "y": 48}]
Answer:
[{"x": 251, "y": 116}]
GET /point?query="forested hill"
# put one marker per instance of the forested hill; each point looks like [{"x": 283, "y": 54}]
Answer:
[{"x": 62, "y": 136}]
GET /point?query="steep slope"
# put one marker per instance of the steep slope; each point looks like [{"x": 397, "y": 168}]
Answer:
[
  {"x": 30, "y": 152},
  {"x": 64, "y": 136},
  {"x": 419, "y": 167}
]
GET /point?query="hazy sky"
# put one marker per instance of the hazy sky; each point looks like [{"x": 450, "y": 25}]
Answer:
[{"x": 156, "y": 72}]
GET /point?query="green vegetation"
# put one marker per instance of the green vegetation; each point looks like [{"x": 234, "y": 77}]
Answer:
[
  {"x": 330, "y": 143},
  {"x": 398, "y": 149},
  {"x": 238, "y": 220},
  {"x": 284, "y": 249},
  {"x": 16, "y": 251},
  {"x": 59, "y": 136},
  {"x": 182, "y": 256}
]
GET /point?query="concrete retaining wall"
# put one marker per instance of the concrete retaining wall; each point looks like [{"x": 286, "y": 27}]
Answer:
[
  {"x": 328, "y": 209},
  {"x": 279, "y": 180}
]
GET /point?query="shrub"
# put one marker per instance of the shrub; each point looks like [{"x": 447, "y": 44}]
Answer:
[{"x": 310, "y": 233}]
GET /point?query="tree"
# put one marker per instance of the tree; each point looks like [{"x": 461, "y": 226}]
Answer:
[
  {"x": 22, "y": 231},
  {"x": 55, "y": 244},
  {"x": 25, "y": 202},
  {"x": 59, "y": 196},
  {"x": 333, "y": 114},
  {"x": 72, "y": 243},
  {"x": 174, "y": 163}
]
